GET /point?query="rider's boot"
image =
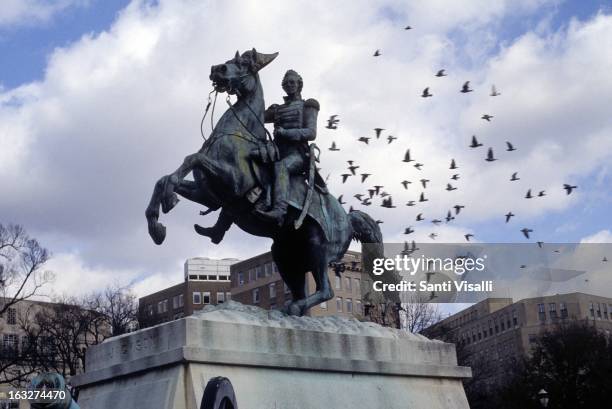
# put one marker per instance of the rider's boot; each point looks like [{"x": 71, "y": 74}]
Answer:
[
  {"x": 216, "y": 232},
  {"x": 281, "y": 188}
]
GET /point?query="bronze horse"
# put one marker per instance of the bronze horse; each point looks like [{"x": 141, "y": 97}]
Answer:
[{"x": 227, "y": 176}]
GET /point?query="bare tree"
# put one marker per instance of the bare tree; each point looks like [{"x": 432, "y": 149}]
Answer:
[
  {"x": 118, "y": 306},
  {"x": 21, "y": 259},
  {"x": 417, "y": 314}
]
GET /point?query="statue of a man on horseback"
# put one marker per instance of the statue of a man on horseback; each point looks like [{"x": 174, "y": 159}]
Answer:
[{"x": 238, "y": 171}]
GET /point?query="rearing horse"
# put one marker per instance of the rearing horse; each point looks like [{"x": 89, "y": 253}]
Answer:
[{"x": 228, "y": 174}]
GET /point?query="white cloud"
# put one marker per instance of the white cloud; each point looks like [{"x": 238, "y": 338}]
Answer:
[
  {"x": 603, "y": 236},
  {"x": 30, "y": 12},
  {"x": 83, "y": 147}
]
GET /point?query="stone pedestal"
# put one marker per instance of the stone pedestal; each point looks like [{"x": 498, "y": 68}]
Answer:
[{"x": 272, "y": 361}]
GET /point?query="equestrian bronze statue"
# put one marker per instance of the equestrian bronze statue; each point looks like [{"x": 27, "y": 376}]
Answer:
[{"x": 268, "y": 188}]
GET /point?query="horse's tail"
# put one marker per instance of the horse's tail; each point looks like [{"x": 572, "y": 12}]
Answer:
[{"x": 366, "y": 230}]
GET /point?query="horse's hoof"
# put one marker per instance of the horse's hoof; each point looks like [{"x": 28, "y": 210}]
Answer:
[
  {"x": 157, "y": 231},
  {"x": 295, "y": 309}
]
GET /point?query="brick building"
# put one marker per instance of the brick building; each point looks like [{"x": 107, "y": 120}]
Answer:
[
  {"x": 256, "y": 281},
  {"x": 207, "y": 281}
]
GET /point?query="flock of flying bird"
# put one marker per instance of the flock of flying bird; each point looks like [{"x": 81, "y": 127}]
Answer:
[{"x": 365, "y": 199}]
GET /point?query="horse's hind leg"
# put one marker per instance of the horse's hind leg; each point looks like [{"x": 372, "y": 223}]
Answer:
[{"x": 292, "y": 273}]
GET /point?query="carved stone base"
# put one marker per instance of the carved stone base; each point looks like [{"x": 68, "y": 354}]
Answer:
[{"x": 272, "y": 361}]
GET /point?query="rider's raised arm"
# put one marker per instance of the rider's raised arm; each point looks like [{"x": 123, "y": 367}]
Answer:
[{"x": 309, "y": 132}]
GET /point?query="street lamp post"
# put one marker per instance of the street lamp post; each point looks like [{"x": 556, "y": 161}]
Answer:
[{"x": 543, "y": 398}]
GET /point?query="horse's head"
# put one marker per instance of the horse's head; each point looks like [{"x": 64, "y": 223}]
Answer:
[{"x": 238, "y": 75}]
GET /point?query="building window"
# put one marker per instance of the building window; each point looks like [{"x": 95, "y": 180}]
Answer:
[
  {"x": 598, "y": 310},
  {"x": 541, "y": 312},
  {"x": 202, "y": 277},
  {"x": 552, "y": 310},
  {"x": 358, "y": 309},
  {"x": 323, "y": 305},
  {"x": 592, "y": 310},
  {"x": 496, "y": 326},
  {"x": 241, "y": 278},
  {"x": 206, "y": 297},
  {"x": 259, "y": 273},
  {"x": 347, "y": 282},
  {"x": 256, "y": 296},
  {"x": 268, "y": 269},
  {"x": 252, "y": 276},
  {"x": 175, "y": 302},
  {"x": 220, "y": 298},
  {"x": 213, "y": 278},
  {"x": 563, "y": 309},
  {"x": 605, "y": 310},
  {"x": 228, "y": 296},
  {"x": 181, "y": 301},
  {"x": 357, "y": 285},
  {"x": 150, "y": 310},
  {"x": 532, "y": 338},
  {"x": 10, "y": 342},
  {"x": 338, "y": 282},
  {"x": 272, "y": 289},
  {"x": 11, "y": 318},
  {"x": 514, "y": 318},
  {"x": 197, "y": 298},
  {"x": 349, "y": 305},
  {"x": 503, "y": 325},
  {"x": 339, "y": 304},
  {"x": 193, "y": 277}
]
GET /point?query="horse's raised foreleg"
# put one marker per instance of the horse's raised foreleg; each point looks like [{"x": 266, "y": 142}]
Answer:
[
  {"x": 216, "y": 232},
  {"x": 157, "y": 231}
]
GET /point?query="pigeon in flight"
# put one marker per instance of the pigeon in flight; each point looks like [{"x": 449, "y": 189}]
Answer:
[
  {"x": 449, "y": 217},
  {"x": 377, "y": 53},
  {"x": 391, "y": 138},
  {"x": 409, "y": 230},
  {"x": 332, "y": 122},
  {"x": 450, "y": 187},
  {"x": 441, "y": 73},
  {"x": 526, "y": 232},
  {"x": 418, "y": 165},
  {"x": 605, "y": 259},
  {"x": 366, "y": 202},
  {"x": 377, "y": 188},
  {"x": 405, "y": 183},
  {"x": 569, "y": 188},
  {"x": 407, "y": 157},
  {"x": 433, "y": 236},
  {"x": 542, "y": 193},
  {"x": 364, "y": 176},
  {"x": 466, "y": 88},
  {"x": 333, "y": 147},
  {"x": 419, "y": 217},
  {"x": 468, "y": 236},
  {"x": 514, "y": 177},
  {"x": 358, "y": 196},
  {"x": 487, "y": 117},
  {"x": 422, "y": 198},
  {"x": 458, "y": 208},
  {"x": 378, "y": 131},
  {"x": 540, "y": 244},
  {"x": 410, "y": 203},
  {"x": 424, "y": 183},
  {"x": 371, "y": 192},
  {"x": 426, "y": 93},
  {"x": 388, "y": 203},
  {"x": 509, "y": 215},
  {"x": 453, "y": 165},
  {"x": 407, "y": 28},
  {"x": 379, "y": 222},
  {"x": 510, "y": 147},
  {"x": 364, "y": 140},
  {"x": 353, "y": 168},
  {"x": 475, "y": 143},
  {"x": 455, "y": 176},
  {"x": 528, "y": 195},
  {"x": 345, "y": 176},
  {"x": 340, "y": 200},
  {"x": 494, "y": 92},
  {"x": 490, "y": 157}
]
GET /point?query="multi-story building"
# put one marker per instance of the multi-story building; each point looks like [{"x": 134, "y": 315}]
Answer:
[
  {"x": 207, "y": 281},
  {"x": 498, "y": 330},
  {"x": 256, "y": 281}
]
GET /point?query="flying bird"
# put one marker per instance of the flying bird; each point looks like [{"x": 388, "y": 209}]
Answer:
[
  {"x": 475, "y": 143},
  {"x": 407, "y": 28},
  {"x": 388, "y": 203},
  {"x": 466, "y": 88},
  {"x": 487, "y": 117},
  {"x": 340, "y": 200},
  {"x": 422, "y": 198},
  {"x": 510, "y": 147},
  {"x": 526, "y": 232},
  {"x": 542, "y": 193},
  {"x": 364, "y": 176},
  {"x": 509, "y": 215},
  {"x": 441, "y": 73},
  {"x": 366, "y": 202},
  {"x": 364, "y": 140},
  {"x": 418, "y": 165},
  {"x": 378, "y": 131},
  {"x": 540, "y": 244},
  {"x": 569, "y": 188},
  {"x": 424, "y": 183},
  {"x": 353, "y": 168},
  {"x": 468, "y": 236},
  {"x": 377, "y": 53},
  {"x": 514, "y": 177},
  {"x": 433, "y": 236},
  {"x": 449, "y": 217},
  {"x": 426, "y": 93},
  {"x": 455, "y": 176},
  {"x": 345, "y": 176},
  {"x": 490, "y": 157},
  {"x": 453, "y": 165},
  {"x": 333, "y": 147},
  {"x": 405, "y": 183},
  {"x": 410, "y": 203},
  {"x": 605, "y": 259},
  {"x": 377, "y": 188},
  {"x": 494, "y": 92},
  {"x": 458, "y": 208},
  {"x": 528, "y": 195},
  {"x": 450, "y": 187},
  {"x": 391, "y": 138},
  {"x": 379, "y": 222},
  {"x": 332, "y": 122},
  {"x": 409, "y": 230},
  {"x": 358, "y": 196},
  {"x": 371, "y": 192},
  {"x": 407, "y": 157},
  {"x": 419, "y": 217}
]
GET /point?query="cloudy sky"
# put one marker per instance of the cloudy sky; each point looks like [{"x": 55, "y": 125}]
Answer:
[{"x": 99, "y": 98}]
